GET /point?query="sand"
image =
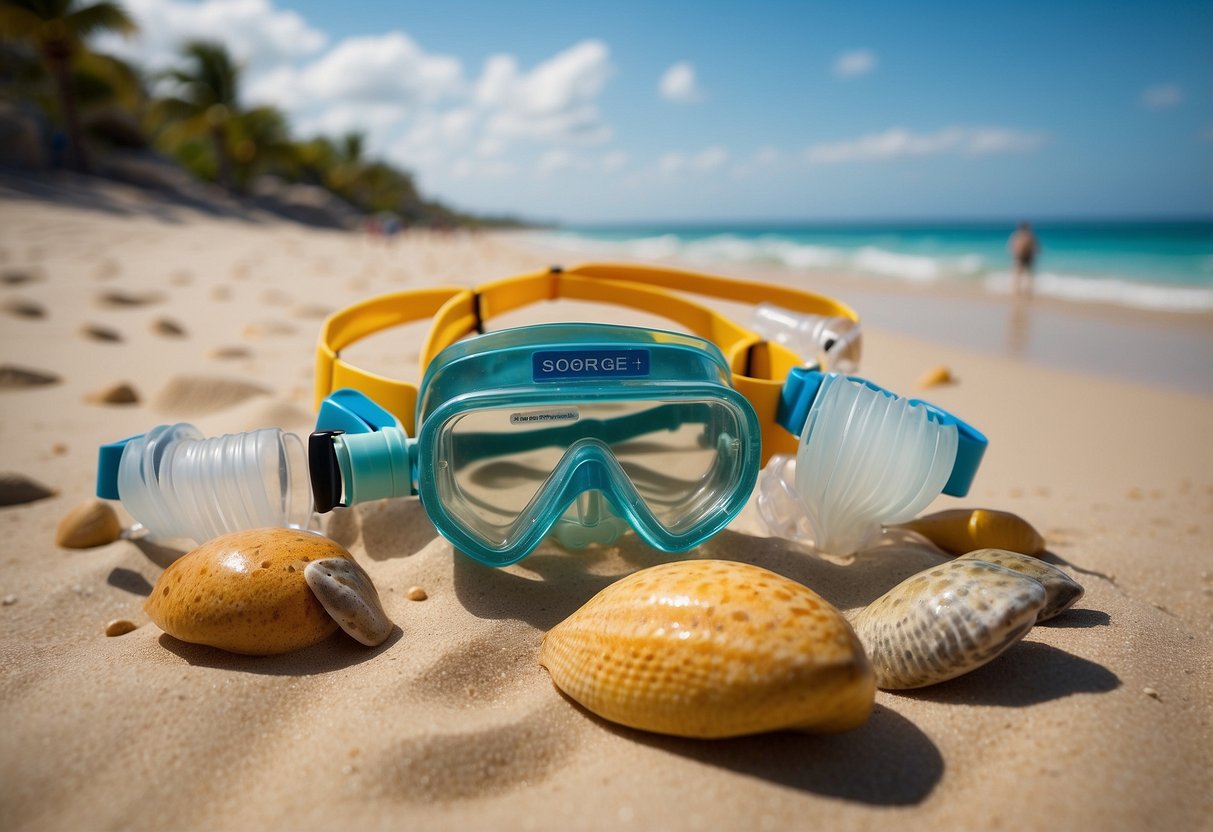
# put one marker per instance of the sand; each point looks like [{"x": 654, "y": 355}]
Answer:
[{"x": 1100, "y": 719}]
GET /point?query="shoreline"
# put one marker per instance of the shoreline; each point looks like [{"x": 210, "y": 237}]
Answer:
[{"x": 1156, "y": 348}]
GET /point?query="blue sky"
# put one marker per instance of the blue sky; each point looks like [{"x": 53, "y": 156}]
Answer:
[{"x": 768, "y": 110}]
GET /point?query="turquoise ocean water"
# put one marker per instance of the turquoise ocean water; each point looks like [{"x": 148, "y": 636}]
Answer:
[{"x": 1148, "y": 265}]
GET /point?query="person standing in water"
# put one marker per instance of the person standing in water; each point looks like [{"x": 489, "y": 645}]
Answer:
[{"x": 1024, "y": 248}]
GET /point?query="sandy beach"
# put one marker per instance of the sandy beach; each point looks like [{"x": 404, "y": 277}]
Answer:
[{"x": 1101, "y": 719}]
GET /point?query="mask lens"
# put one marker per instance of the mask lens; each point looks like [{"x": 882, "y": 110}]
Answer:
[{"x": 493, "y": 464}]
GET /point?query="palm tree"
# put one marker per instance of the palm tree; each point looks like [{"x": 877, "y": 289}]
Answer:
[
  {"x": 58, "y": 28},
  {"x": 206, "y": 99}
]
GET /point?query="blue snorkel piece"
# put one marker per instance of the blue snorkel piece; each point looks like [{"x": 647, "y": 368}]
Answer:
[
  {"x": 359, "y": 452},
  {"x": 801, "y": 389}
]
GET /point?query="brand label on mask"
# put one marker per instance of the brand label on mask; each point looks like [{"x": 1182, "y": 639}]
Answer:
[
  {"x": 565, "y": 365},
  {"x": 542, "y": 417}
]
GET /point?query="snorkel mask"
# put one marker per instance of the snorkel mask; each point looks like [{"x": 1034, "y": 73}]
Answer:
[{"x": 582, "y": 431}]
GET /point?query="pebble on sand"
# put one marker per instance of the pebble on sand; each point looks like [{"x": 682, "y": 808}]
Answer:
[
  {"x": 25, "y": 309},
  {"x": 18, "y": 489},
  {"x": 120, "y": 627},
  {"x": 117, "y": 393},
  {"x": 19, "y": 378},
  {"x": 416, "y": 593},
  {"x": 98, "y": 332},
  {"x": 935, "y": 377},
  {"x": 90, "y": 524},
  {"x": 8, "y": 600},
  {"x": 128, "y": 299},
  {"x": 168, "y": 328}
]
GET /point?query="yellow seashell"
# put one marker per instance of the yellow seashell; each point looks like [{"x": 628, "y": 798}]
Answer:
[
  {"x": 709, "y": 648},
  {"x": 963, "y": 529},
  {"x": 245, "y": 592}
]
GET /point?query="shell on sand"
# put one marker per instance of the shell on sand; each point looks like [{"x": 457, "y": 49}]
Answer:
[
  {"x": 709, "y": 648},
  {"x": 349, "y": 596},
  {"x": 92, "y": 523},
  {"x": 245, "y": 592},
  {"x": 1061, "y": 590},
  {"x": 946, "y": 621},
  {"x": 961, "y": 530}
]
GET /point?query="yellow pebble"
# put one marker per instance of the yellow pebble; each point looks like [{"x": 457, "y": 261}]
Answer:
[
  {"x": 120, "y": 627},
  {"x": 936, "y": 376},
  {"x": 92, "y": 523},
  {"x": 709, "y": 648},
  {"x": 962, "y": 530},
  {"x": 245, "y": 592},
  {"x": 416, "y": 593}
]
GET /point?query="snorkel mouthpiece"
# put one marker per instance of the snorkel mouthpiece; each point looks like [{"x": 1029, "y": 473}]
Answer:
[
  {"x": 867, "y": 459},
  {"x": 181, "y": 486}
]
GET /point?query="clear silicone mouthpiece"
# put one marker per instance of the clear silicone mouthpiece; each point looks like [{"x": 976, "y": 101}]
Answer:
[
  {"x": 179, "y": 485},
  {"x": 866, "y": 460}
]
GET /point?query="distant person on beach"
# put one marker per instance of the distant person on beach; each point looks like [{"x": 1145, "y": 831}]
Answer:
[{"x": 1024, "y": 248}]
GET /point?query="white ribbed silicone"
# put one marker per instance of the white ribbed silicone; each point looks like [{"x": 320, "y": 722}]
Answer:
[
  {"x": 833, "y": 343},
  {"x": 866, "y": 460},
  {"x": 182, "y": 486}
]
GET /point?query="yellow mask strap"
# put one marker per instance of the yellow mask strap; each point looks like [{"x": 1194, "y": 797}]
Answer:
[{"x": 759, "y": 368}]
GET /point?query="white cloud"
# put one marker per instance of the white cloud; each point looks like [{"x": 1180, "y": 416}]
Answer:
[
  {"x": 257, "y": 34},
  {"x": 678, "y": 83},
  {"x": 1161, "y": 96},
  {"x": 855, "y": 63},
  {"x": 615, "y": 160},
  {"x": 899, "y": 143},
  {"x": 387, "y": 68},
  {"x": 705, "y": 161},
  {"x": 556, "y": 101}
]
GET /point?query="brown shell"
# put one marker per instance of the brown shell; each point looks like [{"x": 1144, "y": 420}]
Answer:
[
  {"x": 709, "y": 648},
  {"x": 245, "y": 592}
]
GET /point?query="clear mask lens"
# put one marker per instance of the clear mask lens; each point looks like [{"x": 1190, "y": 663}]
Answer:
[{"x": 496, "y": 466}]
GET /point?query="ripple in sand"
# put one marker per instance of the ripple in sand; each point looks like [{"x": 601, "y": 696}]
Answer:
[
  {"x": 312, "y": 311},
  {"x": 275, "y": 297},
  {"x": 268, "y": 329},
  {"x": 20, "y": 378},
  {"x": 195, "y": 395},
  {"x": 97, "y": 332},
  {"x": 231, "y": 353},
  {"x": 474, "y": 762},
  {"x": 18, "y": 489},
  {"x": 120, "y": 298},
  {"x": 25, "y": 309}
]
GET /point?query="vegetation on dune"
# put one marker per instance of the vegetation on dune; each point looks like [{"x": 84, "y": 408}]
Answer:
[{"x": 192, "y": 113}]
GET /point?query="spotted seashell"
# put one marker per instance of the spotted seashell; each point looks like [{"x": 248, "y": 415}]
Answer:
[
  {"x": 1061, "y": 590},
  {"x": 346, "y": 591},
  {"x": 709, "y": 648},
  {"x": 946, "y": 621},
  {"x": 961, "y": 530},
  {"x": 245, "y": 592}
]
